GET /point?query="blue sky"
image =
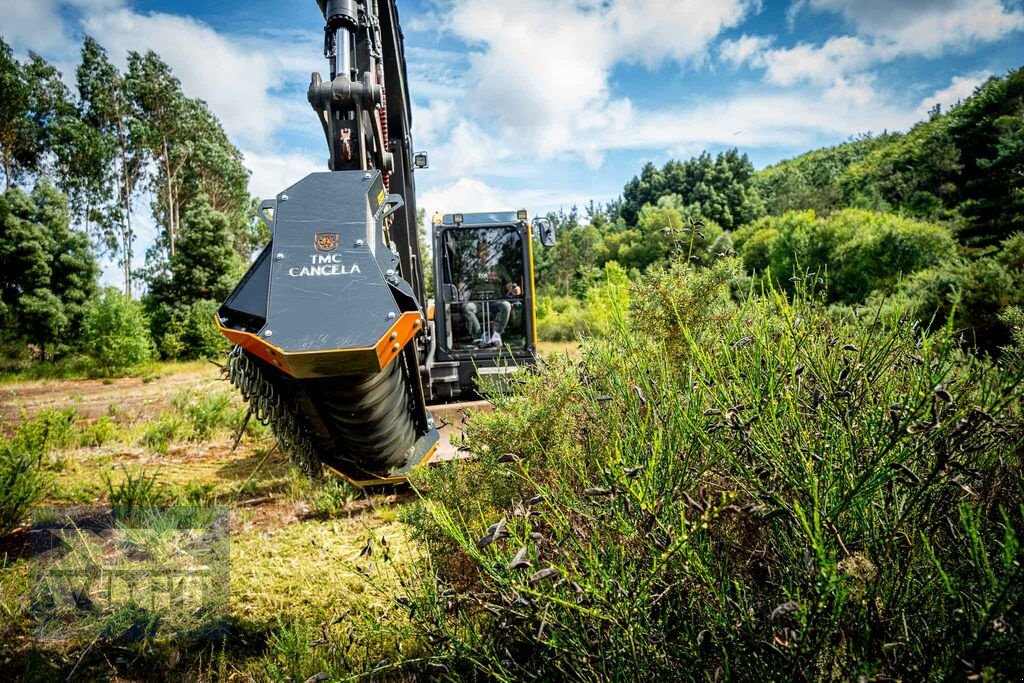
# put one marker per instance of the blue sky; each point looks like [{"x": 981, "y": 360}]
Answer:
[{"x": 550, "y": 103}]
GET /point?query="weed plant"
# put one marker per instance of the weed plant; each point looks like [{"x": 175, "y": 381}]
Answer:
[
  {"x": 738, "y": 491},
  {"x": 24, "y": 477}
]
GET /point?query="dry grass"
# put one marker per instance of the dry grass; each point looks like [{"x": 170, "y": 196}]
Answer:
[{"x": 292, "y": 541}]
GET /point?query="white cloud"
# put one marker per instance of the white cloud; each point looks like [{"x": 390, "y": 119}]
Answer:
[
  {"x": 233, "y": 77},
  {"x": 430, "y": 123},
  {"x": 796, "y": 119},
  {"x": 654, "y": 30},
  {"x": 927, "y": 27},
  {"x": 819, "y": 65},
  {"x": 273, "y": 173},
  {"x": 471, "y": 195},
  {"x": 858, "y": 91},
  {"x": 965, "y": 25},
  {"x": 959, "y": 89},
  {"x": 540, "y": 69},
  {"x": 39, "y": 25},
  {"x": 435, "y": 74},
  {"x": 885, "y": 31},
  {"x": 744, "y": 49}
]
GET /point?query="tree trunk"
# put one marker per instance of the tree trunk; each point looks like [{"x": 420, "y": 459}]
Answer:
[
  {"x": 170, "y": 200},
  {"x": 7, "y": 170},
  {"x": 126, "y": 235}
]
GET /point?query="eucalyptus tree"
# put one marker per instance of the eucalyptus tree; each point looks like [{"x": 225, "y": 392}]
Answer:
[
  {"x": 167, "y": 133},
  {"x": 106, "y": 106},
  {"x": 32, "y": 98}
]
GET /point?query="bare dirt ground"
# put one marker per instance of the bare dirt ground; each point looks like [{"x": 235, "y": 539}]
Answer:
[{"x": 93, "y": 397}]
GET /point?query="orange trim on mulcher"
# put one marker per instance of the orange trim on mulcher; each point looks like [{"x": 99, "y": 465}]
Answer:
[{"x": 302, "y": 364}]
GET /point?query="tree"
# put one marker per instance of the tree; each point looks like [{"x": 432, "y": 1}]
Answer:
[
  {"x": 32, "y": 97},
  {"x": 165, "y": 131},
  {"x": 721, "y": 189},
  {"x": 205, "y": 266},
  {"x": 48, "y": 273},
  {"x": 203, "y": 270},
  {"x": 17, "y": 137},
  {"x": 116, "y": 332},
  {"x": 107, "y": 108}
]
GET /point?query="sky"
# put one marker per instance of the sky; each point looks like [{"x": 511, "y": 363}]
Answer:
[{"x": 547, "y": 104}]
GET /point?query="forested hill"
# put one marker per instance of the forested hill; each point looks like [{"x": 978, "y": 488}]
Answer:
[
  {"x": 964, "y": 167},
  {"x": 930, "y": 219}
]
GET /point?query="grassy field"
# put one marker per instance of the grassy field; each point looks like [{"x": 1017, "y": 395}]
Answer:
[
  {"x": 723, "y": 488},
  {"x": 292, "y": 542}
]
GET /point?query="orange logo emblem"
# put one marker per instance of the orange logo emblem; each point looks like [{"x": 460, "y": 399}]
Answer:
[{"x": 325, "y": 241}]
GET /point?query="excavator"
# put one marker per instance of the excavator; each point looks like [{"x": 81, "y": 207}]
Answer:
[{"x": 336, "y": 346}]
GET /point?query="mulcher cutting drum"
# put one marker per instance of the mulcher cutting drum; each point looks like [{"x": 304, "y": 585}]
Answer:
[{"x": 324, "y": 328}]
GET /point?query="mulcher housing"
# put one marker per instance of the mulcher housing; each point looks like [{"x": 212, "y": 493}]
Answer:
[{"x": 324, "y": 310}]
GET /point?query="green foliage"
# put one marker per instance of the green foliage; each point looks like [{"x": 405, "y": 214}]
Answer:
[
  {"x": 98, "y": 433},
  {"x": 205, "y": 265},
  {"x": 106, "y": 106},
  {"x": 1013, "y": 318},
  {"x": 195, "y": 415},
  {"x": 567, "y": 318},
  {"x": 761, "y": 490},
  {"x": 863, "y": 251},
  {"x": 22, "y": 484},
  {"x": 160, "y": 433},
  {"x": 880, "y": 249},
  {"x": 133, "y": 493},
  {"x": 813, "y": 180},
  {"x": 202, "y": 272},
  {"x": 721, "y": 190},
  {"x": 116, "y": 332},
  {"x": 969, "y": 295},
  {"x": 332, "y": 497},
  {"x": 206, "y": 412},
  {"x": 24, "y": 480},
  {"x": 49, "y": 430},
  {"x": 32, "y": 98},
  {"x": 48, "y": 273},
  {"x": 963, "y": 167},
  {"x": 190, "y": 331}
]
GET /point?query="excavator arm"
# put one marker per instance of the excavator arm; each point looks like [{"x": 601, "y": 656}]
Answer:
[{"x": 325, "y": 321}]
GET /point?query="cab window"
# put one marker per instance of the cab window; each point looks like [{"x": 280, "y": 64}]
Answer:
[{"x": 483, "y": 285}]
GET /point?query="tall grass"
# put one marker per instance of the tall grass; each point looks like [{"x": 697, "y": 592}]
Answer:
[
  {"x": 24, "y": 478},
  {"x": 754, "y": 491}
]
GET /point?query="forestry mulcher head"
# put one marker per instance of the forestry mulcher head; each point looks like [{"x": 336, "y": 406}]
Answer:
[{"x": 324, "y": 328}]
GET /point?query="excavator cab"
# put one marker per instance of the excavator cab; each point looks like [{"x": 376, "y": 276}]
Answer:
[{"x": 484, "y": 323}]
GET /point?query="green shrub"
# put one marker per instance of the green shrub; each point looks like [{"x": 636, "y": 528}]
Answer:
[
  {"x": 116, "y": 333},
  {"x": 880, "y": 250},
  {"x": 99, "y": 433},
  {"x": 159, "y": 434},
  {"x": 752, "y": 491},
  {"x": 23, "y": 482},
  {"x": 48, "y": 430},
  {"x": 205, "y": 412},
  {"x": 133, "y": 494},
  {"x": 191, "y": 333},
  {"x": 969, "y": 295},
  {"x": 24, "y": 479},
  {"x": 332, "y": 497},
  {"x": 864, "y": 251},
  {"x": 564, "y": 325},
  {"x": 565, "y": 318},
  {"x": 1011, "y": 253}
]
